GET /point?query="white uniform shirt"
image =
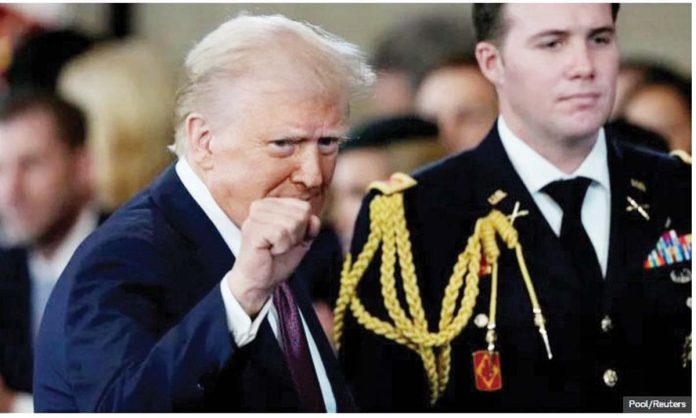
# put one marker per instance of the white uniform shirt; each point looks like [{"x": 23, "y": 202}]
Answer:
[{"x": 536, "y": 172}]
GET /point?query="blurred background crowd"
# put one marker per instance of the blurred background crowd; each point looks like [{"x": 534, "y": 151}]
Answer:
[{"x": 87, "y": 94}]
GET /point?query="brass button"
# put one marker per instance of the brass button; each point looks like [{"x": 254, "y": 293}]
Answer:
[
  {"x": 606, "y": 324},
  {"x": 610, "y": 378},
  {"x": 481, "y": 320}
]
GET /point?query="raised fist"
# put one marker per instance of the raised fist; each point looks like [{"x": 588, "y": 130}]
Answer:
[{"x": 275, "y": 236}]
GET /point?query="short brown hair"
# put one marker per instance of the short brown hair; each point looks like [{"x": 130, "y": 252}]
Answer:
[
  {"x": 68, "y": 119},
  {"x": 488, "y": 20}
]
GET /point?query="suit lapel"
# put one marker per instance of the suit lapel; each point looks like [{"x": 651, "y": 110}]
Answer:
[
  {"x": 182, "y": 211},
  {"x": 215, "y": 261},
  {"x": 268, "y": 356}
]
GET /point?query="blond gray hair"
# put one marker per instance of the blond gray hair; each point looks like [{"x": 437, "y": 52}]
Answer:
[
  {"x": 243, "y": 45},
  {"x": 126, "y": 90}
]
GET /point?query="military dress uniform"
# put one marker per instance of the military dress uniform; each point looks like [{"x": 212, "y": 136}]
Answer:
[{"x": 639, "y": 338}]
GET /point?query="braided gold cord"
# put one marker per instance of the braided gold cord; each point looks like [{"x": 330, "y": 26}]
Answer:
[{"x": 388, "y": 228}]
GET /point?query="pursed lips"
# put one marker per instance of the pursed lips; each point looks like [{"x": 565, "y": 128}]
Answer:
[{"x": 581, "y": 96}]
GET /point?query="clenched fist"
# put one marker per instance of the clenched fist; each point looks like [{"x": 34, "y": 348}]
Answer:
[{"x": 275, "y": 236}]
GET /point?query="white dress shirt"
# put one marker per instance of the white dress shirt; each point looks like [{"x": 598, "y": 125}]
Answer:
[
  {"x": 45, "y": 271},
  {"x": 243, "y": 329},
  {"x": 536, "y": 172}
]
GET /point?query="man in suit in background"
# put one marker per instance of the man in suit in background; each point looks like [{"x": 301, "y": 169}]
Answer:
[
  {"x": 45, "y": 213},
  {"x": 604, "y": 228},
  {"x": 186, "y": 298}
]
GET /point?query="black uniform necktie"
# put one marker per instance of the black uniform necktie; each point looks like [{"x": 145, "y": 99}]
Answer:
[{"x": 570, "y": 194}]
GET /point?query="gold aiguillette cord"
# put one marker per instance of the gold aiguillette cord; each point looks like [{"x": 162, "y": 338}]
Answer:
[{"x": 539, "y": 320}]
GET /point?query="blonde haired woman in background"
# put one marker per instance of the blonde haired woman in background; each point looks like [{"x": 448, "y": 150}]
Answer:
[{"x": 127, "y": 93}]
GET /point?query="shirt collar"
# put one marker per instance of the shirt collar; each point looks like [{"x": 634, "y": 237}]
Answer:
[
  {"x": 199, "y": 191},
  {"x": 536, "y": 171},
  {"x": 50, "y": 268}
]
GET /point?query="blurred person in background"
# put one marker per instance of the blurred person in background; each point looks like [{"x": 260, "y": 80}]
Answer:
[
  {"x": 460, "y": 100},
  {"x": 36, "y": 58},
  {"x": 46, "y": 211},
  {"x": 40, "y": 56},
  {"x": 376, "y": 149},
  {"x": 127, "y": 93},
  {"x": 662, "y": 103},
  {"x": 632, "y": 73},
  {"x": 406, "y": 51},
  {"x": 186, "y": 299}
]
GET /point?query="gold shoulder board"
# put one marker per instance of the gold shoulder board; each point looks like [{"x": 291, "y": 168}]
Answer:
[
  {"x": 682, "y": 155},
  {"x": 398, "y": 182}
]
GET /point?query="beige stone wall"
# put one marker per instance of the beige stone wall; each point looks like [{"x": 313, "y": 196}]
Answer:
[
  {"x": 661, "y": 31},
  {"x": 653, "y": 30}
]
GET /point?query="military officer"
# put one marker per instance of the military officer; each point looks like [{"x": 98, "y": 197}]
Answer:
[{"x": 548, "y": 269}]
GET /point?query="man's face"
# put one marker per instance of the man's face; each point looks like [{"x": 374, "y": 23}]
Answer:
[
  {"x": 38, "y": 177},
  {"x": 276, "y": 142},
  {"x": 355, "y": 170},
  {"x": 393, "y": 94},
  {"x": 661, "y": 109},
  {"x": 557, "y": 69},
  {"x": 462, "y": 102}
]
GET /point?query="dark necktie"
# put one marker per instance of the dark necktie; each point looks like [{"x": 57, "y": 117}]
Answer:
[
  {"x": 296, "y": 350},
  {"x": 569, "y": 194}
]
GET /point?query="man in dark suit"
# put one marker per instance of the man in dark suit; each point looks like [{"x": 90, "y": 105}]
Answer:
[
  {"x": 45, "y": 213},
  {"x": 186, "y": 299},
  {"x": 603, "y": 231}
]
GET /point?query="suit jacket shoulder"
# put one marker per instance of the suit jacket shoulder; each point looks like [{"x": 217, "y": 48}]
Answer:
[{"x": 136, "y": 295}]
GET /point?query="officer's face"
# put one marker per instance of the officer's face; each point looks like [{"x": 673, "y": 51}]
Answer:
[
  {"x": 555, "y": 69},
  {"x": 272, "y": 141}
]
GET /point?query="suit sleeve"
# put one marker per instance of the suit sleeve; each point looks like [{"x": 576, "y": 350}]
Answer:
[{"x": 124, "y": 350}]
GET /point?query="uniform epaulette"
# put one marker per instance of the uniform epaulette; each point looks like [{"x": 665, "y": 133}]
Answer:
[
  {"x": 682, "y": 155},
  {"x": 398, "y": 182}
]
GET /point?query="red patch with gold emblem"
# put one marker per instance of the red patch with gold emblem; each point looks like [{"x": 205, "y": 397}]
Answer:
[{"x": 487, "y": 371}]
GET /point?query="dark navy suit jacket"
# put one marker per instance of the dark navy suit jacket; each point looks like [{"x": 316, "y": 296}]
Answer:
[
  {"x": 15, "y": 320},
  {"x": 16, "y": 345},
  {"x": 137, "y": 321},
  {"x": 648, "y": 310}
]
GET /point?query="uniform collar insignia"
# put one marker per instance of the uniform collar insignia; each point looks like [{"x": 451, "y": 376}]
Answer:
[
  {"x": 637, "y": 184},
  {"x": 496, "y": 197},
  {"x": 517, "y": 213},
  {"x": 634, "y": 206}
]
